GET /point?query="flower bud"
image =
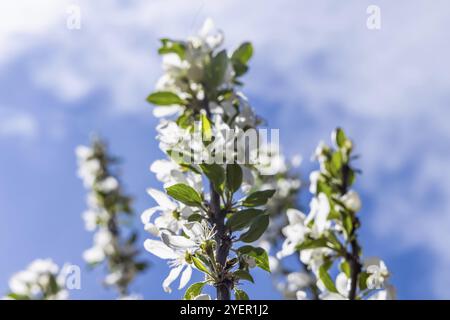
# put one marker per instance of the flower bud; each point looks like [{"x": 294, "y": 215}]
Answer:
[{"x": 351, "y": 201}]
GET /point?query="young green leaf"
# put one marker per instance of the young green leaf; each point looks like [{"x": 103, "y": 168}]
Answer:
[
  {"x": 363, "y": 280},
  {"x": 259, "y": 254},
  {"x": 234, "y": 177},
  {"x": 345, "y": 267},
  {"x": 312, "y": 244},
  {"x": 257, "y": 228},
  {"x": 244, "y": 275},
  {"x": 215, "y": 174},
  {"x": 195, "y": 217},
  {"x": 194, "y": 290},
  {"x": 171, "y": 46},
  {"x": 326, "y": 279},
  {"x": 165, "y": 98},
  {"x": 339, "y": 137},
  {"x": 243, "y": 53},
  {"x": 215, "y": 71},
  {"x": 185, "y": 194},
  {"x": 240, "y": 58},
  {"x": 240, "y": 294},
  {"x": 199, "y": 265},
  {"x": 206, "y": 128},
  {"x": 258, "y": 198},
  {"x": 15, "y": 296},
  {"x": 242, "y": 219}
]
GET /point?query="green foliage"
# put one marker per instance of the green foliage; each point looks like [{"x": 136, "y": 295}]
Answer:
[
  {"x": 215, "y": 70},
  {"x": 241, "y": 294},
  {"x": 234, "y": 177},
  {"x": 215, "y": 174},
  {"x": 244, "y": 275},
  {"x": 326, "y": 279},
  {"x": 256, "y": 230},
  {"x": 258, "y": 198},
  {"x": 194, "y": 290},
  {"x": 165, "y": 98},
  {"x": 240, "y": 58},
  {"x": 242, "y": 219},
  {"x": 259, "y": 254},
  {"x": 185, "y": 194},
  {"x": 171, "y": 46}
]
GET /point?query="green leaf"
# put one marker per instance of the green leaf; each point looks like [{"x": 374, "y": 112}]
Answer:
[
  {"x": 362, "y": 280},
  {"x": 326, "y": 279},
  {"x": 240, "y": 58},
  {"x": 258, "y": 198},
  {"x": 199, "y": 265},
  {"x": 242, "y": 219},
  {"x": 339, "y": 137},
  {"x": 141, "y": 266},
  {"x": 185, "y": 194},
  {"x": 322, "y": 186},
  {"x": 336, "y": 161},
  {"x": 171, "y": 46},
  {"x": 184, "y": 121},
  {"x": 240, "y": 294},
  {"x": 195, "y": 217},
  {"x": 234, "y": 177},
  {"x": 215, "y": 71},
  {"x": 259, "y": 254},
  {"x": 16, "y": 296},
  {"x": 194, "y": 290},
  {"x": 243, "y": 53},
  {"x": 244, "y": 275},
  {"x": 345, "y": 267},
  {"x": 206, "y": 128},
  {"x": 312, "y": 244},
  {"x": 257, "y": 228},
  {"x": 53, "y": 285},
  {"x": 347, "y": 223},
  {"x": 165, "y": 98},
  {"x": 216, "y": 174},
  {"x": 351, "y": 176}
]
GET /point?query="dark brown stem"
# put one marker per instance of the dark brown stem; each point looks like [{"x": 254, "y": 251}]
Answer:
[
  {"x": 223, "y": 241},
  {"x": 222, "y": 237},
  {"x": 355, "y": 269},
  {"x": 353, "y": 256}
]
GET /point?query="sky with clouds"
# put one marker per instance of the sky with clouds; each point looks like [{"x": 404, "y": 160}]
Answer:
[{"x": 316, "y": 66}]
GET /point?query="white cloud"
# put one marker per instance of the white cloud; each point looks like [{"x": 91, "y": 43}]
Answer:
[
  {"x": 18, "y": 125},
  {"x": 388, "y": 87}
]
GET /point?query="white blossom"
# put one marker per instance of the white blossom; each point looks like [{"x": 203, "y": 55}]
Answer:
[
  {"x": 378, "y": 273},
  {"x": 41, "y": 280},
  {"x": 351, "y": 201}
]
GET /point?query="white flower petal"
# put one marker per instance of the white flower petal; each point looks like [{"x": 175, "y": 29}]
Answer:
[
  {"x": 147, "y": 214},
  {"x": 295, "y": 216},
  {"x": 342, "y": 284},
  {"x": 193, "y": 230},
  {"x": 185, "y": 277},
  {"x": 177, "y": 241},
  {"x": 159, "y": 249},
  {"x": 161, "y": 199},
  {"x": 173, "y": 275}
]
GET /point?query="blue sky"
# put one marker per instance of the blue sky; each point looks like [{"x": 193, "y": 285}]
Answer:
[{"x": 316, "y": 66}]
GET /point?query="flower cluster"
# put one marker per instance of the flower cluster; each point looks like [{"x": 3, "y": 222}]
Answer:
[
  {"x": 106, "y": 202},
  {"x": 198, "y": 220},
  {"x": 327, "y": 237},
  {"x": 285, "y": 180},
  {"x": 42, "y": 280}
]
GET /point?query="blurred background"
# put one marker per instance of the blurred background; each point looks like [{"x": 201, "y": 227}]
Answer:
[{"x": 316, "y": 66}]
